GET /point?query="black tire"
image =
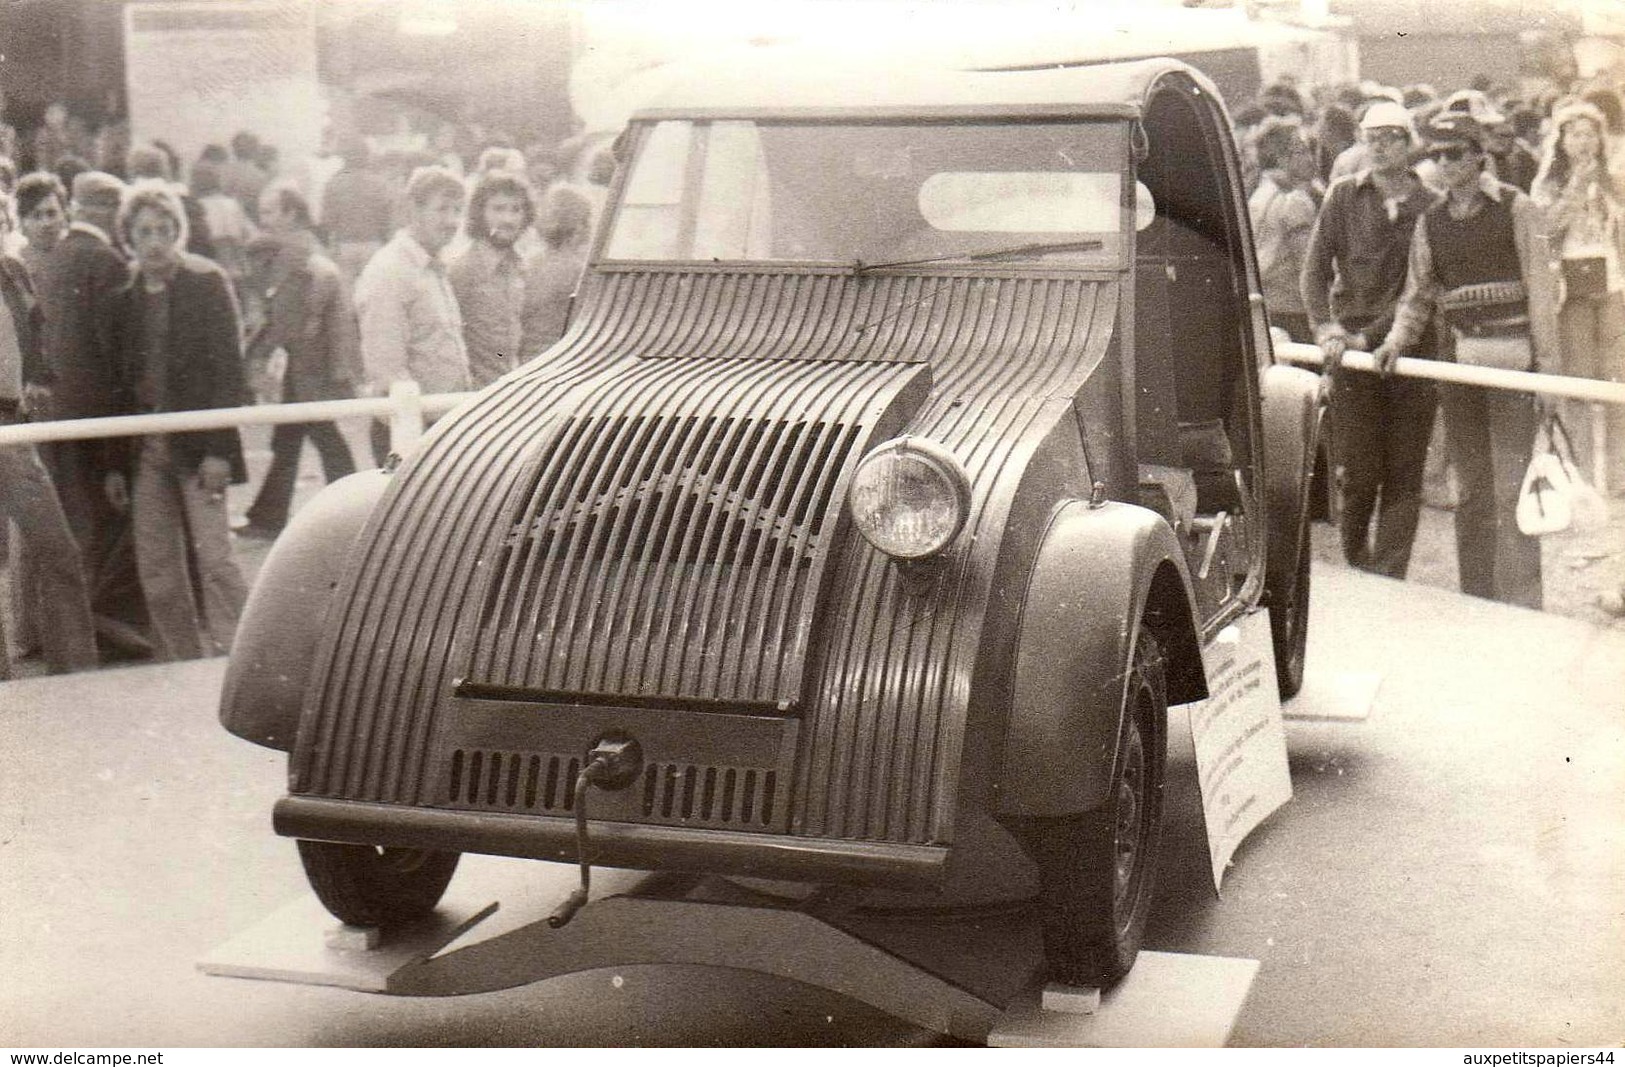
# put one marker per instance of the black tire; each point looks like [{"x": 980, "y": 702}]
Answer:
[
  {"x": 1098, "y": 871},
  {"x": 1288, "y": 598},
  {"x": 1323, "y": 502},
  {"x": 366, "y": 886}
]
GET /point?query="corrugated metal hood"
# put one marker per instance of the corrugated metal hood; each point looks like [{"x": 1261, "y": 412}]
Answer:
[
  {"x": 669, "y": 536},
  {"x": 651, "y": 513}
]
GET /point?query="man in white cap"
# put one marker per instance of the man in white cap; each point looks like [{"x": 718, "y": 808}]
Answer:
[
  {"x": 1353, "y": 273},
  {"x": 1355, "y": 157}
]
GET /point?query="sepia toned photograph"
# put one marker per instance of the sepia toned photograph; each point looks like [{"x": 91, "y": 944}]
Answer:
[{"x": 832, "y": 523}]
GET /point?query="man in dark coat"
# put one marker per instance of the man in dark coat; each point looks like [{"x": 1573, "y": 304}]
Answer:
[
  {"x": 182, "y": 351},
  {"x": 78, "y": 289},
  {"x": 356, "y": 210},
  {"x": 310, "y": 320}
]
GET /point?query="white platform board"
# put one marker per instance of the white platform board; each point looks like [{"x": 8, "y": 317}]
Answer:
[
  {"x": 1169, "y": 1000},
  {"x": 289, "y": 946},
  {"x": 1334, "y": 696}
]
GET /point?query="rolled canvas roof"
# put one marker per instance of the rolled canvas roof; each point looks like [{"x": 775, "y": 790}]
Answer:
[{"x": 795, "y": 82}]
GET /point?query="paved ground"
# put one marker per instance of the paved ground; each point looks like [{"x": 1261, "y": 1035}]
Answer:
[{"x": 1577, "y": 568}]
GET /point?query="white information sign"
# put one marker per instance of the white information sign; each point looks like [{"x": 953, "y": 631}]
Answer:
[
  {"x": 199, "y": 72},
  {"x": 1239, "y": 740}
]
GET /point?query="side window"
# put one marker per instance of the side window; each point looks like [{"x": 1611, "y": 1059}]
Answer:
[
  {"x": 723, "y": 161},
  {"x": 1191, "y": 312},
  {"x": 647, "y": 224}
]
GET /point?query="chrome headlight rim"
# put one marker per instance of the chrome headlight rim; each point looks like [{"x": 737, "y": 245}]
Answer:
[{"x": 944, "y": 464}]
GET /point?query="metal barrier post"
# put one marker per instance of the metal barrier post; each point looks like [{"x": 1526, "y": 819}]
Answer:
[{"x": 405, "y": 416}]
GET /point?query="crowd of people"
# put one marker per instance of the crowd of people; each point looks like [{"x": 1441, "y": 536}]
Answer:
[
  {"x": 134, "y": 292},
  {"x": 1479, "y": 227}
]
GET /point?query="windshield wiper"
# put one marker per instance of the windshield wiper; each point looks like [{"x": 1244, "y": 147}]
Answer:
[{"x": 858, "y": 266}]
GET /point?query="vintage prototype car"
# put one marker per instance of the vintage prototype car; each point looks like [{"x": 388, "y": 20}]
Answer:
[{"x": 909, "y": 440}]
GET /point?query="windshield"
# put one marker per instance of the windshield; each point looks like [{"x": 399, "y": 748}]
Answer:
[{"x": 875, "y": 196}]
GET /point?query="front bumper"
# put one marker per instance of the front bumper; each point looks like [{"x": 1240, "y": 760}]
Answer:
[{"x": 640, "y": 847}]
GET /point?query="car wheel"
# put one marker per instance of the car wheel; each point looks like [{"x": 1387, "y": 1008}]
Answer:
[
  {"x": 1289, "y": 614},
  {"x": 367, "y": 886},
  {"x": 1324, "y": 505},
  {"x": 1097, "y": 871}
]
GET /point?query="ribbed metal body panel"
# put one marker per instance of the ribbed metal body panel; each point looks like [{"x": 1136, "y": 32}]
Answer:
[
  {"x": 886, "y": 728},
  {"x": 670, "y": 540},
  {"x": 655, "y": 511}
]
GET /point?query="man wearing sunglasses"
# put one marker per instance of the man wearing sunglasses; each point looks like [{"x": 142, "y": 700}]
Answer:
[
  {"x": 1352, "y": 276},
  {"x": 1478, "y": 261}
]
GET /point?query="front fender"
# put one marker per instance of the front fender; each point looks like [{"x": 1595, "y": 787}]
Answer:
[
  {"x": 287, "y": 611},
  {"x": 1100, "y": 573}
]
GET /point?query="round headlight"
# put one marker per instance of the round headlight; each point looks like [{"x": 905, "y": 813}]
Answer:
[{"x": 909, "y": 498}]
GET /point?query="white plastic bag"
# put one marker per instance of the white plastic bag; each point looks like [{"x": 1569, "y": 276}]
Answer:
[{"x": 1555, "y": 496}]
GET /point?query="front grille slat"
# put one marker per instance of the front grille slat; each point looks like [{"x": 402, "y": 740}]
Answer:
[
  {"x": 819, "y": 489},
  {"x": 645, "y": 503},
  {"x": 677, "y": 549},
  {"x": 574, "y": 543},
  {"x": 518, "y": 562},
  {"x": 652, "y": 533},
  {"x": 606, "y": 505},
  {"x": 762, "y": 476}
]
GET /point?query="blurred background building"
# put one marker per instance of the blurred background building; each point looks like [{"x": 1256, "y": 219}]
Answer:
[{"x": 434, "y": 75}]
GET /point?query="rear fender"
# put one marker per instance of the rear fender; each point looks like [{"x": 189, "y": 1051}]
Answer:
[
  {"x": 286, "y": 612},
  {"x": 1101, "y": 573},
  {"x": 1292, "y": 416}
]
